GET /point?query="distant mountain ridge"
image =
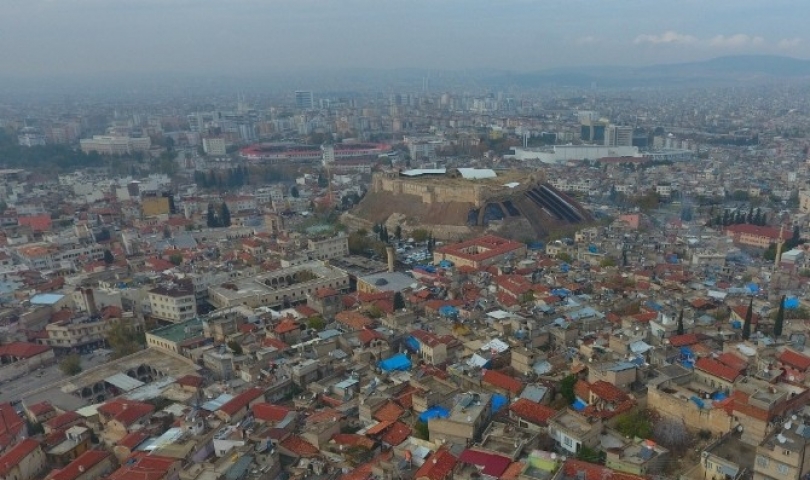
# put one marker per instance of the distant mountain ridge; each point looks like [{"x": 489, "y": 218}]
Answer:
[{"x": 727, "y": 69}]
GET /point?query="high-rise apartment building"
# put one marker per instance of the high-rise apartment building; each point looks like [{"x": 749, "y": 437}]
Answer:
[
  {"x": 618, "y": 136},
  {"x": 304, "y": 100},
  {"x": 214, "y": 147}
]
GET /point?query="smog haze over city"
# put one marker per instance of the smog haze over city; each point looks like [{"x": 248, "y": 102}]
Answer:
[{"x": 413, "y": 240}]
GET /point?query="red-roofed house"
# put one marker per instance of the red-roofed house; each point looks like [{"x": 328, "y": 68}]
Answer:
[
  {"x": 754, "y": 235},
  {"x": 37, "y": 223},
  {"x": 23, "y": 461},
  {"x": 438, "y": 466},
  {"x": 62, "y": 421},
  {"x": 40, "y": 412},
  {"x": 502, "y": 383},
  {"x": 531, "y": 415},
  {"x": 794, "y": 359},
  {"x": 12, "y": 426},
  {"x": 120, "y": 417},
  {"x": 396, "y": 434},
  {"x": 269, "y": 413},
  {"x": 489, "y": 463},
  {"x": 434, "y": 349},
  {"x": 297, "y": 447},
  {"x": 26, "y": 356},
  {"x": 143, "y": 466},
  {"x": 91, "y": 465},
  {"x": 239, "y": 405},
  {"x": 581, "y": 470},
  {"x": 715, "y": 374}
]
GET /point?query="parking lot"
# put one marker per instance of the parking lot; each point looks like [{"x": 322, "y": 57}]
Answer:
[{"x": 13, "y": 390}]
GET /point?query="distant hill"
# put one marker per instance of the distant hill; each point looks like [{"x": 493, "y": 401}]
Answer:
[{"x": 725, "y": 70}]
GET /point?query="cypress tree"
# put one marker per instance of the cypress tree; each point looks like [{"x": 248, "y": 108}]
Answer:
[
  {"x": 779, "y": 323},
  {"x": 680, "y": 329},
  {"x": 749, "y": 314}
]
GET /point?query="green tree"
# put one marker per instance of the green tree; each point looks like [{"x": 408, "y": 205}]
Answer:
[
  {"x": 124, "y": 339},
  {"x": 399, "y": 301},
  {"x": 224, "y": 215},
  {"x": 294, "y": 192},
  {"x": 420, "y": 235},
  {"x": 316, "y": 323},
  {"x": 779, "y": 323},
  {"x": 565, "y": 257},
  {"x": 235, "y": 347},
  {"x": 71, "y": 365},
  {"x": 588, "y": 454},
  {"x": 108, "y": 257},
  {"x": 398, "y": 232},
  {"x": 635, "y": 424},
  {"x": 211, "y": 216},
  {"x": 749, "y": 314},
  {"x": 567, "y": 388},
  {"x": 421, "y": 430},
  {"x": 176, "y": 259}
]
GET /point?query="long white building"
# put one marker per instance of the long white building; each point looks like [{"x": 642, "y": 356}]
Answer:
[{"x": 564, "y": 153}]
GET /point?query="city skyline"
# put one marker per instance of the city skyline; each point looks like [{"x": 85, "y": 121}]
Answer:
[{"x": 92, "y": 37}]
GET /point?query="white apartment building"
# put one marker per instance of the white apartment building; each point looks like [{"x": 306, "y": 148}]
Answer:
[
  {"x": 214, "y": 147},
  {"x": 327, "y": 248},
  {"x": 115, "y": 145},
  {"x": 173, "y": 303}
]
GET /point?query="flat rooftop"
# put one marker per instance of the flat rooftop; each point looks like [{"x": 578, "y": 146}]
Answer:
[
  {"x": 264, "y": 283},
  {"x": 180, "y": 331}
]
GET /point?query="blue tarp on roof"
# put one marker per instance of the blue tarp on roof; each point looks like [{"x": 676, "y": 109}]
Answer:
[
  {"x": 397, "y": 362},
  {"x": 579, "y": 405},
  {"x": 753, "y": 288},
  {"x": 536, "y": 246},
  {"x": 791, "y": 303},
  {"x": 445, "y": 264},
  {"x": 498, "y": 401},
  {"x": 412, "y": 344},
  {"x": 448, "y": 311},
  {"x": 718, "y": 396},
  {"x": 435, "y": 411},
  {"x": 697, "y": 401}
]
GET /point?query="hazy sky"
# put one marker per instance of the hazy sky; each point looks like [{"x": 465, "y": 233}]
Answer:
[{"x": 54, "y": 37}]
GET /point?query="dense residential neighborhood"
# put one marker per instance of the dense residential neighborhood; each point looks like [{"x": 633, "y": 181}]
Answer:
[{"x": 419, "y": 286}]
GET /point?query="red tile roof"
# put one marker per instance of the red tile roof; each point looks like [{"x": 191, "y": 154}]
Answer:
[
  {"x": 241, "y": 401},
  {"x": 732, "y": 361},
  {"x": 717, "y": 369},
  {"x": 398, "y": 433},
  {"x": 532, "y": 411},
  {"x": 438, "y": 466},
  {"x": 501, "y": 380},
  {"x": 490, "y": 463},
  {"x": 132, "y": 440},
  {"x": 379, "y": 428},
  {"x": 16, "y": 454},
  {"x": 81, "y": 464},
  {"x": 195, "y": 381},
  {"x": 63, "y": 420},
  {"x": 607, "y": 391},
  {"x": 684, "y": 340},
  {"x": 126, "y": 412},
  {"x": 299, "y": 446},
  {"x": 267, "y": 412},
  {"x": 573, "y": 468},
  {"x": 40, "y": 408},
  {"x": 23, "y": 349},
  {"x": 390, "y": 412},
  {"x": 353, "y": 440},
  {"x": 794, "y": 359}
]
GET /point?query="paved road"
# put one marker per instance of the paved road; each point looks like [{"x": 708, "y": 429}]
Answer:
[{"x": 14, "y": 389}]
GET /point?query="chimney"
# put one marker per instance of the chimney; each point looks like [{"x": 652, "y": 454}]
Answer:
[{"x": 391, "y": 256}]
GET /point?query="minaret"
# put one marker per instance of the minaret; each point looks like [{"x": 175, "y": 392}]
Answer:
[{"x": 779, "y": 248}]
